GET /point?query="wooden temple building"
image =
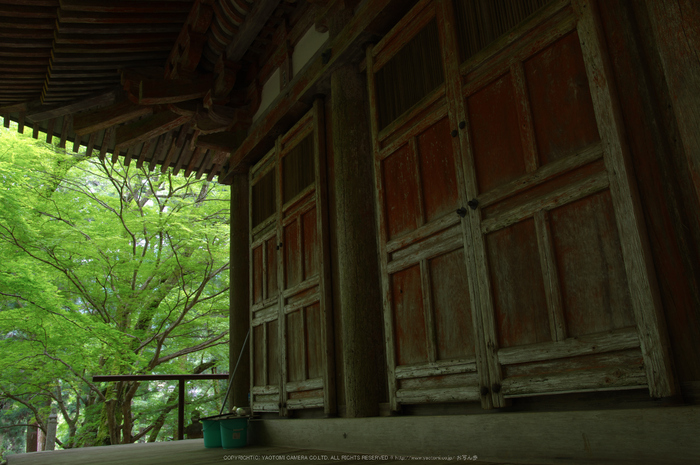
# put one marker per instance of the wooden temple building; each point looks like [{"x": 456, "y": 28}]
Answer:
[{"x": 458, "y": 227}]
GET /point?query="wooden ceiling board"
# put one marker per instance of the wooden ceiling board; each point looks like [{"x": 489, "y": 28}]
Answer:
[
  {"x": 26, "y": 33},
  {"x": 126, "y": 28},
  {"x": 26, "y": 11},
  {"x": 110, "y": 6},
  {"x": 63, "y": 38},
  {"x": 83, "y": 17},
  {"x": 14, "y": 52},
  {"x": 27, "y": 23}
]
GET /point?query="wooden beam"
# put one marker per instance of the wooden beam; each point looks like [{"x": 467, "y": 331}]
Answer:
[
  {"x": 144, "y": 152},
  {"x": 163, "y": 145},
  {"x": 186, "y": 152},
  {"x": 307, "y": 84},
  {"x": 222, "y": 141},
  {"x": 162, "y": 91},
  {"x": 106, "y": 141},
  {"x": 176, "y": 147},
  {"x": 148, "y": 128},
  {"x": 49, "y": 130},
  {"x": 91, "y": 144},
  {"x": 102, "y": 98},
  {"x": 14, "y": 107},
  {"x": 206, "y": 162},
  {"x": 254, "y": 22},
  {"x": 129, "y": 155},
  {"x": 64, "y": 130},
  {"x": 103, "y": 118},
  {"x": 76, "y": 143},
  {"x": 196, "y": 156}
]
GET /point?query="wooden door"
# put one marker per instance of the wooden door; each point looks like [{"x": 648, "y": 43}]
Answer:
[
  {"x": 292, "y": 356},
  {"x": 565, "y": 283},
  {"x": 556, "y": 279},
  {"x": 432, "y": 345}
]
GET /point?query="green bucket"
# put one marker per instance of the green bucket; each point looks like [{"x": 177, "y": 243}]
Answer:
[
  {"x": 212, "y": 433},
  {"x": 234, "y": 432}
]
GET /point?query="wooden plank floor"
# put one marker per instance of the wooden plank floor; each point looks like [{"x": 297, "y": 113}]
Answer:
[{"x": 193, "y": 452}]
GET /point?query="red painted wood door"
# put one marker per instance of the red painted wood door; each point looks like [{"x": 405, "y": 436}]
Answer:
[
  {"x": 292, "y": 356},
  {"x": 512, "y": 244},
  {"x": 431, "y": 329},
  {"x": 564, "y": 281}
]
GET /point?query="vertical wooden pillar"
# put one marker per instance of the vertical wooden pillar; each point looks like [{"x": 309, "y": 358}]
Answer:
[
  {"x": 359, "y": 284},
  {"x": 239, "y": 320}
]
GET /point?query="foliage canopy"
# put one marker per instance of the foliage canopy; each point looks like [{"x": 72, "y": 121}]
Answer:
[{"x": 105, "y": 269}]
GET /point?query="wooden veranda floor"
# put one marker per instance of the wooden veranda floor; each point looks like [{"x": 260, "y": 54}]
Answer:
[{"x": 193, "y": 452}]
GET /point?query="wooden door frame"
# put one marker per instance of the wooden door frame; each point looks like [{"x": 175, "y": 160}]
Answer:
[
  {"x": 313, "y": 122},
  {"x": 641, "y": 274}
]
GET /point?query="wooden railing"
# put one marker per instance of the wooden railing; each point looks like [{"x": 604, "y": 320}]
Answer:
[{"x": 181, "y": 389}]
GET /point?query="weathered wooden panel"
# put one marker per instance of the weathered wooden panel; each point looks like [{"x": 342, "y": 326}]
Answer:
[
  {"x": 311, "y": 402},
  {"x": 271, "y": 267},
  {"x": 258, "y": 272},
  {"x": 628, "y": 358},
  {"x": 480, "y": 23},
  {"x": 453, "y": 316},
  {"x": 560, "y": 97},
  {"x": 263, "y": 198},
  {"x": 518, "y": 289},
  {"x": 589, "y": 259},
  {"x": 314, "y": 341},
  {"x": 309, "y": 246},
  {"x": 439, "y": 368},
  {"x": 298, "y": 169},
  {"x": 307, "y": 395},
  {"x": 437, "y": 168},
  {"x": 498, "y": 151},
  {"x": 273, "y": 354},
  {"x": 453, "y": 394},
  {"x": 565, "y": 180},
  {"x": 609, "y": 341},
  {"x": 617, "y": 370},
  {"x": 295, "y": 346},
  {"x": 292, "y": 255},
  {"x": 440, "y": 382},
  {"x": 401, "y": 192},
  {"x": 409, "y": 75},
  {"x": 301, "y": 293},
  {"x": 445, "y": 241},
  {"x": 259, "y": 355},
  {"x": 409, "y": 322}
]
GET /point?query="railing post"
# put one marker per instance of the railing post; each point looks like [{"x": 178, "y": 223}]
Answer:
[{"x": 181, "y": 411}]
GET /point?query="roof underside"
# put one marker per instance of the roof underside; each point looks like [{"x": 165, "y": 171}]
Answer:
[{"x": 166, "y": 83}]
